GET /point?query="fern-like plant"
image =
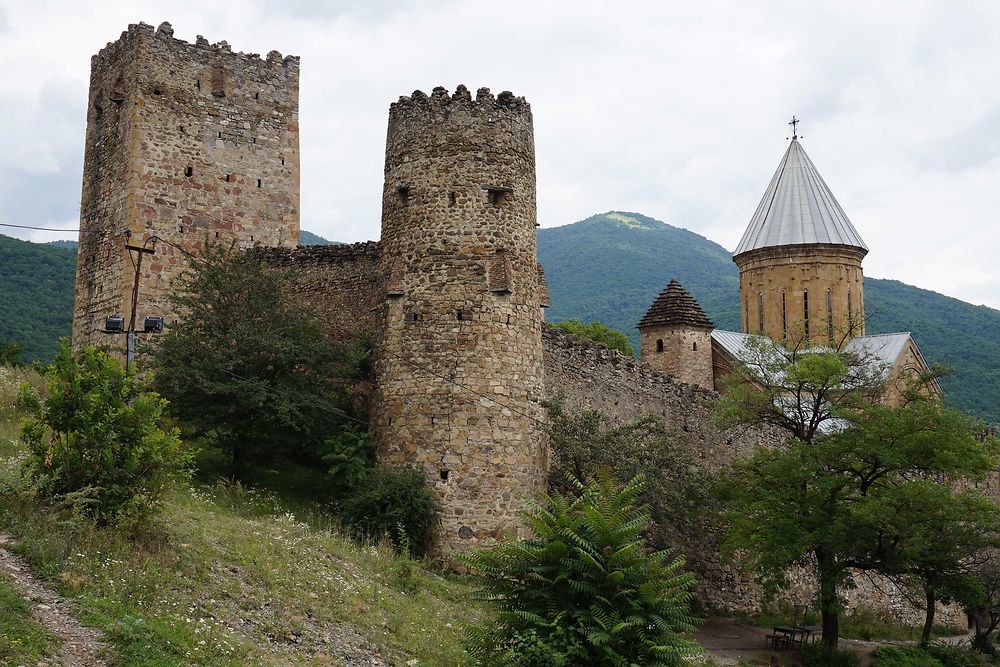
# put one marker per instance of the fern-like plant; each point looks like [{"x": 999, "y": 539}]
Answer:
[{"x": 584, "y": 590}]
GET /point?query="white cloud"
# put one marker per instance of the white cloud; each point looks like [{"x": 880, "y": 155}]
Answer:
[{"x": 675, "y": 110}]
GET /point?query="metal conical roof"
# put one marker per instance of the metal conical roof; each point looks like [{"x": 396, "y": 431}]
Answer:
[
  {"x": 675, "y": 305},
  {"x": 798, "y": 208}
]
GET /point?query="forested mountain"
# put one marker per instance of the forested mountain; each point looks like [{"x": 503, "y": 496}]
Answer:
[
  {"x": 36, "y": 295},
  {"x": 610, "y": 267}
]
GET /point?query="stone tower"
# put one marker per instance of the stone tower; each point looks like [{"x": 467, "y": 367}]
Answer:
[
  {"x": 188, "y": 142},
  {"x": 459, "y": 366},
  {"x": 800, "y": 260},
  {"x": 676, "y": 337}
]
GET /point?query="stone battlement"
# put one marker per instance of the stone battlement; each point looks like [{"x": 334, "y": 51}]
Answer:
[
  {"x": 440, "y": 99},
  {"x": 320, "y": 254},
  {"x": 166, "y": 32},
  {"x": 459, "y": 124}
]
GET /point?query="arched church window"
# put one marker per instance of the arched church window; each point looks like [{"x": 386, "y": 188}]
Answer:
[
  {"x": 746, "y": 314},
  {"x": 694, "y": 346},
  {"x": 829, "y": 314},
  {"x": 760, "y": 311},
  {"x": 784, "y": 317},
  {"x": 805, "y": 313},
  {"x": 659, "y": 345}
]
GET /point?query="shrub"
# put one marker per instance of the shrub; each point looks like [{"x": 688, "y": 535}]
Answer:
[
  {"x": 903, "y": 656},
  {"x": 599, "y": 332},
  {"x": 952, "y": 655},
  {"x": 351, "y": 458},
  {"x": 396, "y": 504},
  {"x": 818, "y": 655},
  {"x": 584, "y": 591},
  {"x": 98, "y": 435}
]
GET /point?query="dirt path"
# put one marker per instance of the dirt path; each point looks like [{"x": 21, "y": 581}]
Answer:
[
  {"x": 81, "y": 646},
  {"x": 731, "y": 642}
]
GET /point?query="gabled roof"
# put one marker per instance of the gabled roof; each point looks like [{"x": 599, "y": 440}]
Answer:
[
  {"x": 880, "y": 348},
  {"x": 885, "y": 348},
  {"x": 675, "y": 305},
  {"x": 798, "y": 208}
]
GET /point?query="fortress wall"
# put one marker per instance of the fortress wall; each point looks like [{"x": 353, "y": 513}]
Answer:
[
  {"x": 588, "y": 376},
  {"x": 340, "y": 284}
]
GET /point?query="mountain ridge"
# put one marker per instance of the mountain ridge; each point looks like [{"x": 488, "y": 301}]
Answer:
[
  {"x": 611, "y": 269},
  {"x": 608, "y": 267}
]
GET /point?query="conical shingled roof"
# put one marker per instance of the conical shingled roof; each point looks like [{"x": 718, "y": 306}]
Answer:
[
  {"x": 675, "y": 305},
  {"x": 798, "y": 208}
]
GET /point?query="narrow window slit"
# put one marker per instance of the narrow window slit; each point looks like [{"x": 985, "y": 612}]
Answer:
[
  {"x": 403, "y": 193},
  {"x": 189, "y": 172}
]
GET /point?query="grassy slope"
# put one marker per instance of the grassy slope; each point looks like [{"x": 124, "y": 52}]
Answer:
[
  {"x": 610, "y": 267},
  {"x": 231, "y": 576}
]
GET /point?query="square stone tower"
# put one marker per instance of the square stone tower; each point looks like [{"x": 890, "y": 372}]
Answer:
[{"x": 187, "y": 142}]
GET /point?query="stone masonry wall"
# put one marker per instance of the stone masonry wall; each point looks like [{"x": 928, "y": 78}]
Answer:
[
  {"x": 340, "y": 284},
  {"x": 769, "y": 273},
  {"x": 686, "y": 353},
  {"x": 458, "y": 367},
  {"x": 187, "y": 142},
  {"x": 588, "y": 376}
]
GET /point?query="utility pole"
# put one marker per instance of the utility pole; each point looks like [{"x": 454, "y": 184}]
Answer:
[{"x": 130, "y": 334}]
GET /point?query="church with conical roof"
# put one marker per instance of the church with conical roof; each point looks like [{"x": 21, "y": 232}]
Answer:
[{"x": 801, "y": 284}]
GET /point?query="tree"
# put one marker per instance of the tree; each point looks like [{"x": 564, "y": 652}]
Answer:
[
  {"x": 984, "y": 605},
  {"x": 934, "y": 536},
  {"x": 817, "y": 500},
  {"x": 10, "y": 353},
  {"x": 584, "y": 590},
  {"x": 99, "y": 432},
  {"x": 677, "y": 485},
  {"x": 247, "y": 366},
  {"x": 599, "y": 332}
]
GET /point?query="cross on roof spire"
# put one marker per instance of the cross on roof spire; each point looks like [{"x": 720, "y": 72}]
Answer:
[{"x": 795, "y": 130}]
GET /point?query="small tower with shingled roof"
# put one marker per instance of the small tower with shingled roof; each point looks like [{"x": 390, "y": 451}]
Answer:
[{"x": 676, "y": 337}]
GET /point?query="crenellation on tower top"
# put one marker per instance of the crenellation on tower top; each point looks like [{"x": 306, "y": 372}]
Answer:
[{"x": 440, "y": 99}]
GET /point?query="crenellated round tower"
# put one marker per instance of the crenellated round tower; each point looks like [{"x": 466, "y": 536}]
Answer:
[{"x": 459, "y": 364}]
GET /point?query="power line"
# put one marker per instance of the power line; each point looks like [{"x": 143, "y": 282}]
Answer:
[{"x": 46, "y": 229}]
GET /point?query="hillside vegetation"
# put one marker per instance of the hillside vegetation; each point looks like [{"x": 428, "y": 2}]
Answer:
[
  {"x": 610, "y": 267},
  {"x": 226, "y": 575},
  {"x": 36, "y": 295}
]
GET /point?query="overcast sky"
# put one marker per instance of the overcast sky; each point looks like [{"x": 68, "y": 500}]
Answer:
[{"x": 672, "y": 109}]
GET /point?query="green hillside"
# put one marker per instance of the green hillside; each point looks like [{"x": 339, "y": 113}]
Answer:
[
  {"x": 36, "y": 295},
  {"x": 610, "y": 267}
]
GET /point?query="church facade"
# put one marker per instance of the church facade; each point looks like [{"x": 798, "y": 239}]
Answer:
[{"x": 801, "y": 285}]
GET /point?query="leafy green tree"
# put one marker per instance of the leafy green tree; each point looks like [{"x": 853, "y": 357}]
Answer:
[
  {"x": 599, "y": 332},
  {"x": 984, "y": 605},
  {"x": 99, "y": 432},
  {"x": 677, "y": 486},
  {"x": 248, "y": 367},
  {"x": 10, "y": 353},
  {"x": 584, "y": 590},
  {"x": 817, "y": 500},
  {"x": 933, "y": 537}
]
